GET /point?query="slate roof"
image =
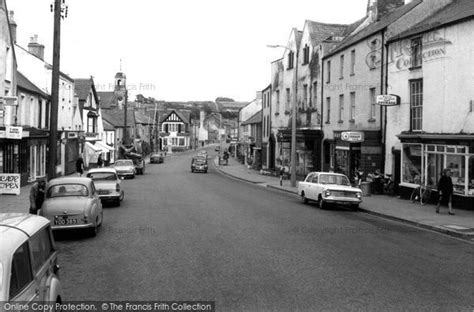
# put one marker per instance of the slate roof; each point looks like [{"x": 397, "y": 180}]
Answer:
[
  {"x": 256, "y": 118},
  {"x": 454, "y": 12},
  {"x": 25, "y": 84},
  {"x": 320, "y": 31},
  {"x": 142, "y": 118},
  {"x": 116, "y": 117},
  {"x": 374, "y": 27},
  {"x": 107, "y": 99},
  {"x": 82, "y": 87},
  {"x": 107, "y": 125}
]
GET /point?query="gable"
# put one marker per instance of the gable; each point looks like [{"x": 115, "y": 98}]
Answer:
[{"x": 173, "y": 117}]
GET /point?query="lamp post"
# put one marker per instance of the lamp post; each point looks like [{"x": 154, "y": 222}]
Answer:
[{"x": 293, "y": 115}]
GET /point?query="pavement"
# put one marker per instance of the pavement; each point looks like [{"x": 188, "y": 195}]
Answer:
[{"x": 460, "y": 225}]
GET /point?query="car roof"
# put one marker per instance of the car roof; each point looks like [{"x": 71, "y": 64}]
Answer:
[
  {"x": 70, "y": 180},
  {"x": 331, "y": 173},
  {"x": 107, "y": 169},
  {"x": 124, "y": 159},
  {"x": 15, "y": 228}
]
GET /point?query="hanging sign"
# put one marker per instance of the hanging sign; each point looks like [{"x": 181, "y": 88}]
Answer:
[
  {"x": 10, "y": 183},
  {"x": 388, "y": 100}
]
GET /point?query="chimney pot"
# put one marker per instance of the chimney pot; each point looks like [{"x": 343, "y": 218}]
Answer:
[{"x": 36, "y": 48}]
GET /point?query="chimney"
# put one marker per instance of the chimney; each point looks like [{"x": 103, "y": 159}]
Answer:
[
  {"x": 13, "y": 25},
  {"x": 35, "y": 48}
]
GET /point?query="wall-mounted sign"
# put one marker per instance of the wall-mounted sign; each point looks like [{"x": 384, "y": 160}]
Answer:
[
  {"x": 9, "y": 100},
  {"x": 13, "y": 132},
  {"x": 388, "y": 100},
  {"x": 10, "y": 183},
  {"x": 352, "y": 136},
  {"x": 72, "y": 135}
]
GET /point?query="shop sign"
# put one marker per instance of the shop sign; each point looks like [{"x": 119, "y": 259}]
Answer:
[
  {"x": 13, "y": 132},
  {"x": 10, "y": 183},
  {"x": 352, "y": 136},
  {"x": 71, "y": 135},
  {"x": 388, "y": 100}
]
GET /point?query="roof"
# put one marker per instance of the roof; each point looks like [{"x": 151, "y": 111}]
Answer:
[
  {"x": 107, "y": 99},
  {"x": 374, "y": 27},
  {"x": 82, "y": 87},
  {"x": 107, "y": 125},
  {"x": 116, "y": 117},
  {"x": 256, "y": 118},
  {"x": 25, "y": 84},
  {"x": 320, "y": 31},
  {"x": 142, "y": 118},
  {"x": 65, "y": 180},
  {"x": 184, "y": 116},
  {"x": 105, "y": 169},
  {"x": 454, "y": 12}
]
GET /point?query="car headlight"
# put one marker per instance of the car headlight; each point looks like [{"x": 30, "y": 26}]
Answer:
[
  {"x": 359, "y": 195},
  {"x": 327, "y": 193}
]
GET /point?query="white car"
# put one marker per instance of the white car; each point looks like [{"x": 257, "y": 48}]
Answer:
[
  {"x": 28, "y": 261},
  {"x": 125, "y": 168},
  {"x": 108, "y": 184},
  {"x": 329, "y": 188}
]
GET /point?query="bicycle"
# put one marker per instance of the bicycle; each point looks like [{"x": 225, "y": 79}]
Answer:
[{"x": 421, "y": 193}]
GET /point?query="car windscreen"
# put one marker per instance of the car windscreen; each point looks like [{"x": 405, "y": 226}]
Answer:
[
  {"x": 200, "y": 161},
  {"x": 102, "y": 176},
  {"x": 334, "y": 179},
  {"x": 65, "y": 190},
  {"x": 123, "y": 163}
]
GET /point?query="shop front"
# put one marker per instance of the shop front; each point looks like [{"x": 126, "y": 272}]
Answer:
[
  {"x": 356, "y": 150},
  {"x": 424, "y": 156},
  {"x": 308, "y": 150}
]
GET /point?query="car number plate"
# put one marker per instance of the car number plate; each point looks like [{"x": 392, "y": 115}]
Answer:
[
  {"x": 103, "y": 192},
  {"x": 61, "y": 220}
]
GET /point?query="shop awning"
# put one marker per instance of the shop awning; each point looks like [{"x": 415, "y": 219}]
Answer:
[
  {"x": 104, "y": 147},
  {"x": 93, "y": 147}
]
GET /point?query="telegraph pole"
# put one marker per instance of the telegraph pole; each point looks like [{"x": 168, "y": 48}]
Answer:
[{"x": 60, "y": 11}]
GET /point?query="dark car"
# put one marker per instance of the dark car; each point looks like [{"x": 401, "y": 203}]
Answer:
[
  {"x": 199, "y": 164},
  {"x": 157, "y": 158}
]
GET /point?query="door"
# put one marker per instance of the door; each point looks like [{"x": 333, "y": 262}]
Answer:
[{"x": 23, "y": 287}]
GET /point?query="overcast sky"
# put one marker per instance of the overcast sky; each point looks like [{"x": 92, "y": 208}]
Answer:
[{"x": 177, "y": 50}]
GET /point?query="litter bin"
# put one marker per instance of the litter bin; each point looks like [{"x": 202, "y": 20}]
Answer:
[{"x": 365, "y": 187}]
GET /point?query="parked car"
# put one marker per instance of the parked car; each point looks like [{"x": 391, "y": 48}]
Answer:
[
  {"x": 28, "y": 260},
  {"x": 73, "y": 203},
  {"x": 108, "y": 184},
  {"x": 329, "y": 188},
  {"x": 125, "y": 168},
  {"x": 199, "y": 164},
  {"x": 157, "y": 158}
]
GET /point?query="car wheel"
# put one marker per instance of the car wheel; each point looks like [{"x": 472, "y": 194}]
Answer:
[
  {"x": 122, "y": 195},
  {"x": 322, "y": 203},
  {"x": 205, "y": 171},
  {"x": 303, "y": 197},
  {"x": 133, "y": 176},
  {"x": 355, "y": 207},
  {"x": 117, "y": 202},
  {"x": 94, "y": 230},
  {"x": 192, "y": 170}
]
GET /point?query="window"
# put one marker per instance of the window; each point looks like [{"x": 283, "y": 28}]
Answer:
[
  {"x": 181, "y": 141},
  {"x": 353, "y": 105},
  {"x": 328, "y": 77},
  {"x": 40, "y": 113},
  {"x": 373, "y": 103},
  {"x": 353, "y": 60},
  {"x": 41, "y": 247},
  {"x": 416, "y": 48},
  {"x": 411, "y": 163},
  {"x": 341, "y": 107},
  {"x": 291, "y": 59},
  {"x": 341, "y": 67},
  {"x": 315, "y": 95},
  {"x": 277, "y": 101},
  {"x": 287, "y": 103},
  {"x": 416, "y": 104},
  {"x": 305, "y": 54},
  {"x": 305, "y": 96},
  {"x": 21, "y": 274},
  {"x": 328, "y": 109},
  {"x": 46, "y": 124}
]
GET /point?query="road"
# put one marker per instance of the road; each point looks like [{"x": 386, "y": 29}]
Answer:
[{"x": 188, "y": 236}]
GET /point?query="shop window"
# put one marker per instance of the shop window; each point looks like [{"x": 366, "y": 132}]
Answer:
[
  {"x": 457, "y": 165},
  {"x": 435, "y": 166},
  {"x": 471, "y": 176},
  {"x": 411, "y": 163}
]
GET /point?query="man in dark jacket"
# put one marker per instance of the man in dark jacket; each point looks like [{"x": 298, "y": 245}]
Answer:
[
  {"x": 37, "y": 194},
  {"x": 445, "y": 189}
]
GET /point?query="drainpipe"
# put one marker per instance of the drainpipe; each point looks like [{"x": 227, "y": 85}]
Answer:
[
  {"x": 383, "y": 88},
  {"x": 322, "y": 113}
]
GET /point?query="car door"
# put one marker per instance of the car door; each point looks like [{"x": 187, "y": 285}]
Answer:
[
  {"x": 96, "y": 202},
  {"x": 23, "y": 286},
  {"x": 314, "y": 187},
  {"x": 44, "y": 257},
  {"x": 307, "y": 186}
]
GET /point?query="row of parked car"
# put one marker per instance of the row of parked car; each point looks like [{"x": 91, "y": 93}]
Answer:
[{"x": 28, "y": 255}]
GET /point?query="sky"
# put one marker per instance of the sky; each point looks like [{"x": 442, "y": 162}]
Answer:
[{"x": 176, "y": 50}]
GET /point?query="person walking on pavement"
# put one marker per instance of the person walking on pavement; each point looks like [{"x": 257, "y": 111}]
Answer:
[
  {"x": 37, "y": 192},
  {"x": 80, "y": 165},
  {"x": 445, "y": 189},
  {"x": 100, "y": 162}
]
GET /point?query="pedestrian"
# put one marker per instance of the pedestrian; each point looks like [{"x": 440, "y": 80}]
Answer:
[
  {"x": 80, "y": 165},
  {"x": 282, "y": 172},
  {"x": 445, "y": 189},
  {"x": 100, "y": 162},
  {"x": 37, "y": 192}
]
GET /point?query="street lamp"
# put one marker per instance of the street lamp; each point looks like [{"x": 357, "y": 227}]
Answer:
[{"x": 293, "y": 115}]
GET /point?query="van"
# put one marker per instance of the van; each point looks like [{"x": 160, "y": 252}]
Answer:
[{"x": 28, "y": 260}]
